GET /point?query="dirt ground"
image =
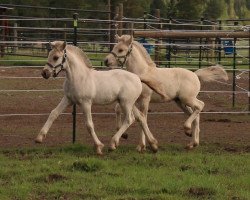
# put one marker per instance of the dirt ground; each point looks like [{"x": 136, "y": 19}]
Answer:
[{"x": 20, "y": 131}]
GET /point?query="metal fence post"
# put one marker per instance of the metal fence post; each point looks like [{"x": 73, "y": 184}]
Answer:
[
  {"x": 157, "y": 42},
  {"x": 75, "y": 24},
  {"x": 249, "y": 71},
  {"x": 202, "y": 19},
  {"x": 234, "y": 67},
  {"x": 219, "y": 45},
  {"x": 169, "y": 41}
]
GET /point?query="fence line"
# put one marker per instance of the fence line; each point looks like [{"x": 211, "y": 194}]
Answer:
[
  {"x": 112, "y": 113},
  {"x": 149, "y": 44},
  {"x": 86, "y": 20},
  {"x": 207, "y": 91}
]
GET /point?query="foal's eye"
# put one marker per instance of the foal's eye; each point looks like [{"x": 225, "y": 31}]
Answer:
[
  {"x": 55, "y": 58},
  {"x": 120, "y": 50}
]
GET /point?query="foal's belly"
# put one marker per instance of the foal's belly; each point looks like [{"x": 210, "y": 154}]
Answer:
[{"x": 105, "y": 97}]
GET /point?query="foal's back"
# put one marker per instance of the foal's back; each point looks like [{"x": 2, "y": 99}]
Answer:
[{"x": 177, "y": 82}]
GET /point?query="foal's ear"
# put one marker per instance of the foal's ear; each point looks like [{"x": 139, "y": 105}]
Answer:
[
  {"x": 64, "y": 45},
  {"x": 52, "y": 45},
  {"x": 129, "y": 40},
  {"x": 59, "y": 45},
  {"x": 117, "y": 38}
]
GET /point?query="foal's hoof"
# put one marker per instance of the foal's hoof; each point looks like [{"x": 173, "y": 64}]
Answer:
[
  {"x": 99, "y": 149},
  {"x": 112, "y": 148},
  {"x": 154, "y": 146},
  {"x": 188, "y": 131},
  {"x": 113, "y": 144},
  {"x": 191, "y": 145},
  {"x": 39, "y": 138},
  {"x": 189, "y": 134},
  {"x": 125, "y": 136},
  {"x": 141, "y": 148}
]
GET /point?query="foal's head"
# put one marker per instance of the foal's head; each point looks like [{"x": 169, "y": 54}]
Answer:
[
  {"x": 56, "y": 59},
  {"x": 120, "y": 52}
]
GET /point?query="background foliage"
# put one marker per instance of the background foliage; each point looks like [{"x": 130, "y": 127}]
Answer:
[{"x": 187, "y": 9}]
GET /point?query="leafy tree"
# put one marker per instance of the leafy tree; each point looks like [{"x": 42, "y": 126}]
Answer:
[
  {"x": 189, "y": 9},
  {"x": 214, "y": 9},
  {"x": 240, "y": 8},
  {"x": 158, "y": 4},
  {"x": 248, "y": 4},
  {"x": 171, "y": 9}
]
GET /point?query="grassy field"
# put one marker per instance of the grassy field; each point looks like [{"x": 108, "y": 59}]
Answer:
[
  {"x": 75, "y": 172},
  {"x": 179, "y": 60}
]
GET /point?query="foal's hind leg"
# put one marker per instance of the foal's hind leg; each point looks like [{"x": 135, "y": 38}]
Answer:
[
  {"x": 143, "y": 122},
  {"x": 128, "y": 120},
  {"x": 197, "y": 107},
  {"x": 196, "y": 137},
  {"x": 143, "y": 103},
  {"x": 195, "y": 125},
  {"x": 52, "y": 117},
  {"x": 118, "y": 113}
]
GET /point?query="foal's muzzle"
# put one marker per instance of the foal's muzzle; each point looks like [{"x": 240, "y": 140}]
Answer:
[{"x": 46, "y": 73}]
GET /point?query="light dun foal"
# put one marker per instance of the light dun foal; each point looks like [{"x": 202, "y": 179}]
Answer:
[
  {"x": 178, "y": 84},
  {"x": 85, "y": 86}
]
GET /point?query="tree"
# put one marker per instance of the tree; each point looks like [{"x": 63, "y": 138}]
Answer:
[
  {"x": 189, "y": 9},
  {"x": 240, "y": 8},
  {"x": 214, "y": 9},
  {"x": 158, "y": 4},
  {"x": 171, "y": 9}
]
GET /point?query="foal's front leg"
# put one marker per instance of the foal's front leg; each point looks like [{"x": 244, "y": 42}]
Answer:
[
  {"x": 52, "y": 117},
  {"x": 86, "y": 107}
]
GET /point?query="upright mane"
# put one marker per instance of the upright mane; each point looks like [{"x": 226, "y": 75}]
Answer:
[
  {"x": 81, "y": 54},
  {"x": 145, "y": 54}
]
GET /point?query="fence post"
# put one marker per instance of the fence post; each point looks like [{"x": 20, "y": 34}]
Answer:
[
  {"x": 120, "y": 18},
  {"x": 110, "y": 25},
  {"x": 249, "y": 71},
  {"x": 15, "y": 38},
  {"x": 219, "y": 45},
  {"x": 202, "y": 19},
  {"x": 75, "y": 24},
  {"x": 234, "y": 66},
  {"x": 169, "y": 47},
  {"x": 144, "y": 20},
  {"x": 157, "y": 47}
]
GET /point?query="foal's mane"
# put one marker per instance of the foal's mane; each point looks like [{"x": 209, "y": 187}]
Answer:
[
  {"x": 144, "y": 53},
  {"x": 81, "y": 55}
]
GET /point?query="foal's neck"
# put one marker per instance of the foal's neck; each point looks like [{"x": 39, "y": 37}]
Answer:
[
  {"x": 76, "y": 69},
  {"x": 136, "y": 62}
]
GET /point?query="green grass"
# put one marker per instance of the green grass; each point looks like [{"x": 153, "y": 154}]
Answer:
[
  {"x": 75, "y": 172},
  {"x": 97, "y": 59},
  {"x": 10, "y": 60}
]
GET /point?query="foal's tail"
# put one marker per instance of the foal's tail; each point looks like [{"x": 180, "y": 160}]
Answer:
[{"x": 213, "y": 73}]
